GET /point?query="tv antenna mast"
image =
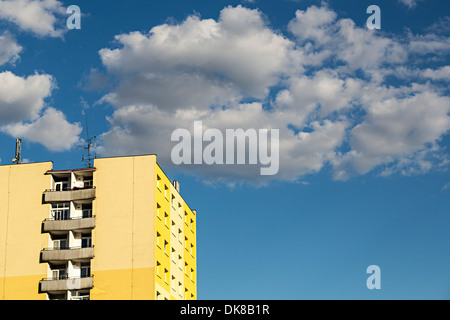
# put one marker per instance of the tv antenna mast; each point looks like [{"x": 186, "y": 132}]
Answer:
[
  {"x": 16, "y": 159},
  {"x": 89, "y": 144}
]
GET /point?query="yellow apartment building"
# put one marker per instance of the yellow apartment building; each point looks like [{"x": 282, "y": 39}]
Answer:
[{"x": 119, "y": 230}]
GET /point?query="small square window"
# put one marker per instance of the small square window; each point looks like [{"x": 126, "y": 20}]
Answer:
[
  {"x": 158, "y": 237},
  {"x": 166, "y": 191}
]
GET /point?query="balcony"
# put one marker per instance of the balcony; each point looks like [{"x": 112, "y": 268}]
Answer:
[
  {"x": 74, "y": 224},
  {"x": 74, "y": 254},
  {"x": 69, "y": 195},
  {"x": 64, "y": 284}
]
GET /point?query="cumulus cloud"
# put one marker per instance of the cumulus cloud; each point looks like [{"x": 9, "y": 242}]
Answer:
[
  {"x": 23, "y": 112},
  {"x": 22, "y": 98},
  {"x": 198, "y": 63},
  {"x": 323, "y": 86},
  {"x": 319, "y": 29},
  {"x": 9, "y": 49},
  {"x": 38, "y": 17},
  {"x": 396, "y": 128},
  {"x": 51, "y": 130}
]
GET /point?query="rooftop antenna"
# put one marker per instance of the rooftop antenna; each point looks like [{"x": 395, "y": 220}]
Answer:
[
  {"x": 88, "y": 146},
  {"x": 16, "y": 160}
]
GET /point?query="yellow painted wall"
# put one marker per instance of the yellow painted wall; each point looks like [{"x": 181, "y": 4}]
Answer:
[
  {"x": 21, "y": 240},
  {"x": 176, "y": 216},
  {"x": 162, "y": 228},
  {"x": 190, "y": 229},
  {"x": 123, "y": 238}
]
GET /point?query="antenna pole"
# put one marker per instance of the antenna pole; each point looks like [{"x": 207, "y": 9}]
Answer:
[
  {"x": 89, "y": 144},
  {"x": 16, "y": 160}
]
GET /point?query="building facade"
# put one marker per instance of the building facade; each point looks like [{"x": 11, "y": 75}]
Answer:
[{"x": 117, "y": 231}]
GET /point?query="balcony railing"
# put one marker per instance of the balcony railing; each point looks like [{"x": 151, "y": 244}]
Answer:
[
  {"x": 65, "y": 254},
  {"x": 52, "y": 195},
  {"x": 69, "y": 224},
  {"x": 66, "y": 283}
]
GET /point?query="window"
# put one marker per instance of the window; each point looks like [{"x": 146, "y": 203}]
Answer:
[
  {"x": 158, "y": 209},
  {"x": 85, "y": 269},
  {"x": 179, "y": 209},
  {"x": 87, "y": 210},
  {"x": 180, "y": 260},
  {"x": 173, "y": 255},
  {"x": 158, "y": 237},
  {"x": 59, "y": 272},
  {"x": 166, "y": 191},
  {"x": 86, "y": 240},
  {"x": 88, "y": 182},
  {"x": 192, "y": 274},
  {"x": 60, "y": 244},
  {"x": 61, "y": 185},
  {"x": 172, "y": 201},
  {"x": 186, "y": 243},
  {"x": 185, "y": 268},
  {"x": 166, "y": 219},
  {"x": 180, "y": 288},
  {"x": 173, "y": 227},
  {"x": 185, "y": 294},
  {"x": 185, "y": 217},
  {"x": 172, "y": 283},
  {"x": 192, "y": 249},
  {"x": 166, "y": 274},
  {"x": 166, "y": 246},
  {"x": 158, "y": 295},
  {"x": 192, "y": 225},
  {"x": 158, "y": 266},
  {"x": 158, "y": 180},
  {"x": 180, "y": 235},
  {"x": 61, "y": 211}
]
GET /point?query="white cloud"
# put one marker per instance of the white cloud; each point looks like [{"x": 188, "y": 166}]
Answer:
[
  {"x": 318, "y": 95},
  {"x": 429, "y": 43},
  {"x": 409, "y": 3},
  {"x": 356, "y": 47},
  {"x": 23, "y": 112},
  {"x": 329, "y": 113},
  {"x": 23, "y": 98},
  {"x": 9, "y": 49},
  {"x": 397, "y": 130},
  {"x": 198, "y": 62},
  {"x": 442, "y": 73},
  {"x": 39, "y": 17},
  {"x": 52, "y": 130}
]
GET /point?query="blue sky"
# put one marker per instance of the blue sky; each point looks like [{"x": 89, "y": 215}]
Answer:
[{"x": 363, "y": 118}]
